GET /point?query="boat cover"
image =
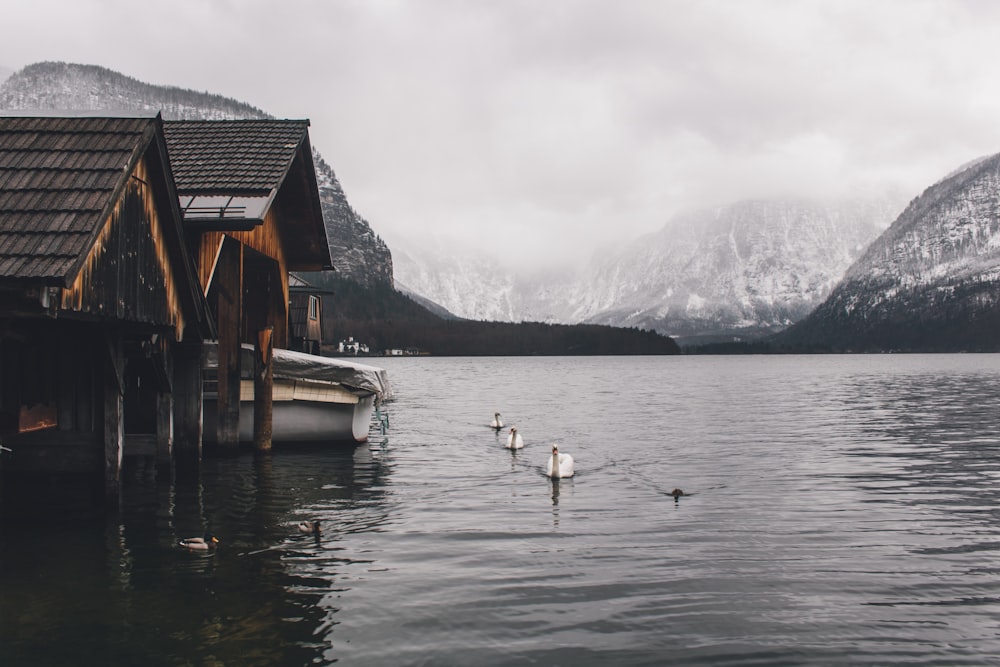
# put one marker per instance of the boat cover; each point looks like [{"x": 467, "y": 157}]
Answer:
[{"x": 291, "y": 365}]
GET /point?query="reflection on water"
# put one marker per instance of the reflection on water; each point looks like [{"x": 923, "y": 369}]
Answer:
[
  {"x": 837, "y": 511},
  {"x": 119, "y": 585}
]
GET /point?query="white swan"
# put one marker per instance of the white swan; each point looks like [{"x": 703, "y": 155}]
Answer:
[
  {"x": 514, "y": 440},
  {"x": 497, "y": 423},
  {"x": 559, "y": 465}
]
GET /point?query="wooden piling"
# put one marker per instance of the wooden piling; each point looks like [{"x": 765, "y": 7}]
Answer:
[
  {"x": 263, "y": 389},
  {"x": 114, "y": 422},
  {"x": 187, "y": 405},
  {"x": 230, "y": 296},
  {"x": 164, "y": 429}
]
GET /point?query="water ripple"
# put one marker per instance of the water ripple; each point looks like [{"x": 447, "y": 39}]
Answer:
[{"x": 838, "y": 511}]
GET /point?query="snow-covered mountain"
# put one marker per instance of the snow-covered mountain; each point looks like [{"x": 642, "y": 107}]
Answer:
[
  {"x": 357, "y": 252},
  {"x": 736, "y": 271},
  {"x": 470, "y": 284},
  {"x": 741, "y": 270},
  {"x": 930, "y": 282}
]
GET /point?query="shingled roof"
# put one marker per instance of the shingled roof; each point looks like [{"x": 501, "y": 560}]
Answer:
[
  {"x": 58, "y": 181},
  {"x": 234, "y": 156},
  {"x": 229, "y": 173}
]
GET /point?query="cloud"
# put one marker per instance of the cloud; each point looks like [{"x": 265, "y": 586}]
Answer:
[{"x": 549, "y": 129}]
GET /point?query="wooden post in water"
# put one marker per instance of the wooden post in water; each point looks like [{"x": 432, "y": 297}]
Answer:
[
  {"x": 229, "y": 274},
  {"x": 187, "y": 405},
  {"x": 114, "y": 414},
  {"x": 164, "y": 429},
  {"x": 263, "y": 386}
]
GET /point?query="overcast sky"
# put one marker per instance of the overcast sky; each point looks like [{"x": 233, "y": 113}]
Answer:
[{"x": 538, "y": 125}]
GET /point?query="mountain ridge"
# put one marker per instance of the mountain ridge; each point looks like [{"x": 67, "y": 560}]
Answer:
[
  {"x": 743, "y": 270},
  {"x": 366, "y": 305},
  {"x": 931, "y": 282},
  {"x": 356, "y": 250}
]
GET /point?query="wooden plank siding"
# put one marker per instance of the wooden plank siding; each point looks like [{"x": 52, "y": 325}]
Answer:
[
  {"x": 305, "y": 318},
  {"x": 264, "y": 239},
  {"x": 99, "y": 301},
  {"x": 128, "y": 273}
]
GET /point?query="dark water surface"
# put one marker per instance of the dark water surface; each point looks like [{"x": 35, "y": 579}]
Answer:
[{"x": 844, "y": 510}]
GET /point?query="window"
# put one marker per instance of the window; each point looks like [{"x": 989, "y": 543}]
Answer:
[{"x": 313, "y": 307}]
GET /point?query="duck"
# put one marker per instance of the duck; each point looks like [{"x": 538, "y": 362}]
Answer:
[
  {"x": 497, "y": 423},
  {"x": 311, "y": 527},
  {"x": 559, "y": 465},
  {"x": 514, "y": 440},
  {"x": 676, "y": 493},
  {"x": 199, "y": 543}
]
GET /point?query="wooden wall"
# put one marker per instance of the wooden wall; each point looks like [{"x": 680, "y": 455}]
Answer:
[
  {"x": 54, "y": 370},
  {"x": 268, "y": 255},
  {"x": 128, "y": 275}
]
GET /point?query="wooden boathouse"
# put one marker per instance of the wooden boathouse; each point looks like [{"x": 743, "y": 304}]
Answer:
[
  {"x": 101, "y": 314},
  {"x": 305, "y": 315},
  {"x": 252, "y": 213},
  {"x": 125, "y": 244}
]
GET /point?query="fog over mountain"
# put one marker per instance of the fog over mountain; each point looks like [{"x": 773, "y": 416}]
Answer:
[
  {"x": 746, "y": 269},
  {"x": 735, "y": 271}
]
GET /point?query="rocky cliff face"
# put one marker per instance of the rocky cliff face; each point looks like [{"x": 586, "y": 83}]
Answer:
[
  {"x": 930, "y": 282},
  {"x": 357, "y": 252}
]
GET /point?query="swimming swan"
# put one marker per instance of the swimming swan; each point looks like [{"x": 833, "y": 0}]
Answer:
[
  {"x": 514, "y": 440},
  {"x": 497, "y": 423},
  {"x": 559, "y": 465}
]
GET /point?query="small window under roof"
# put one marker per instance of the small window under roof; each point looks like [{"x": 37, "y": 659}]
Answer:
[{"x": 222, "y": 207}]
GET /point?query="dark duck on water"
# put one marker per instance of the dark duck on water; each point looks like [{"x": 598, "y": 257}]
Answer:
[
  {"x": 310, "y": 527},
  {"x": 199, "y": 543}
]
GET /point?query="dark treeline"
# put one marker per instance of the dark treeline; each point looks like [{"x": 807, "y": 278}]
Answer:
[
  {"x": 384, "y": 319},
  {"x": 963, "y": 316},
  {"x": 736, "y": 347}
]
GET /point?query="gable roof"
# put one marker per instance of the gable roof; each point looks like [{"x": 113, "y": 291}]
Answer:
[
  {"x": 229, "y": 173},
  {"x": 232, "y": 156},
  {"x": 58, "y": 182},
  {"x": 61, "y": 178}
]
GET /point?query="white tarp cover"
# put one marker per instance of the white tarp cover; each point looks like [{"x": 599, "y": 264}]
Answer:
[{"x": 290, "y": 365}]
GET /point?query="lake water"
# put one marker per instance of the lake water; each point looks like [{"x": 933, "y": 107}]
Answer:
[{"x": 842, "y": 510}]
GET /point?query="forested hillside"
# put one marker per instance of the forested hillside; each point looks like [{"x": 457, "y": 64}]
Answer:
[
  {"x": 383, "y": 318},
  {"x": 931, "y": 283}
]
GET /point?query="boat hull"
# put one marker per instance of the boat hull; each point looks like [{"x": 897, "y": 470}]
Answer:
[
  {"x": 313, "y": 399},
  {"x": 301, "y": 421}
]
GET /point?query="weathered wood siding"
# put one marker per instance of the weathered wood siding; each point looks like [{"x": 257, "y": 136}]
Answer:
[
  {"x": 305, "y": 332},
  {"x": 265, "y": 240},
  {"x": 128, "y": 274},
  {"x": 55, "y": 366}
]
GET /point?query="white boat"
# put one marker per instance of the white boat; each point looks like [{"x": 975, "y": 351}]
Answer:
[{"x": 314, "y": 399}]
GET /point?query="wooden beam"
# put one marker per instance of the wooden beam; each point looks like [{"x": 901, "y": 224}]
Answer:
[
  {"x": 114, "y": 422},
  {"x": 164, "y": 429},
  {"x": 262, "y": 389},
  {"x": 188, "y": 398},
  {"x": 229, "y": 278},
  {"x": 66, "y": 391}
]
